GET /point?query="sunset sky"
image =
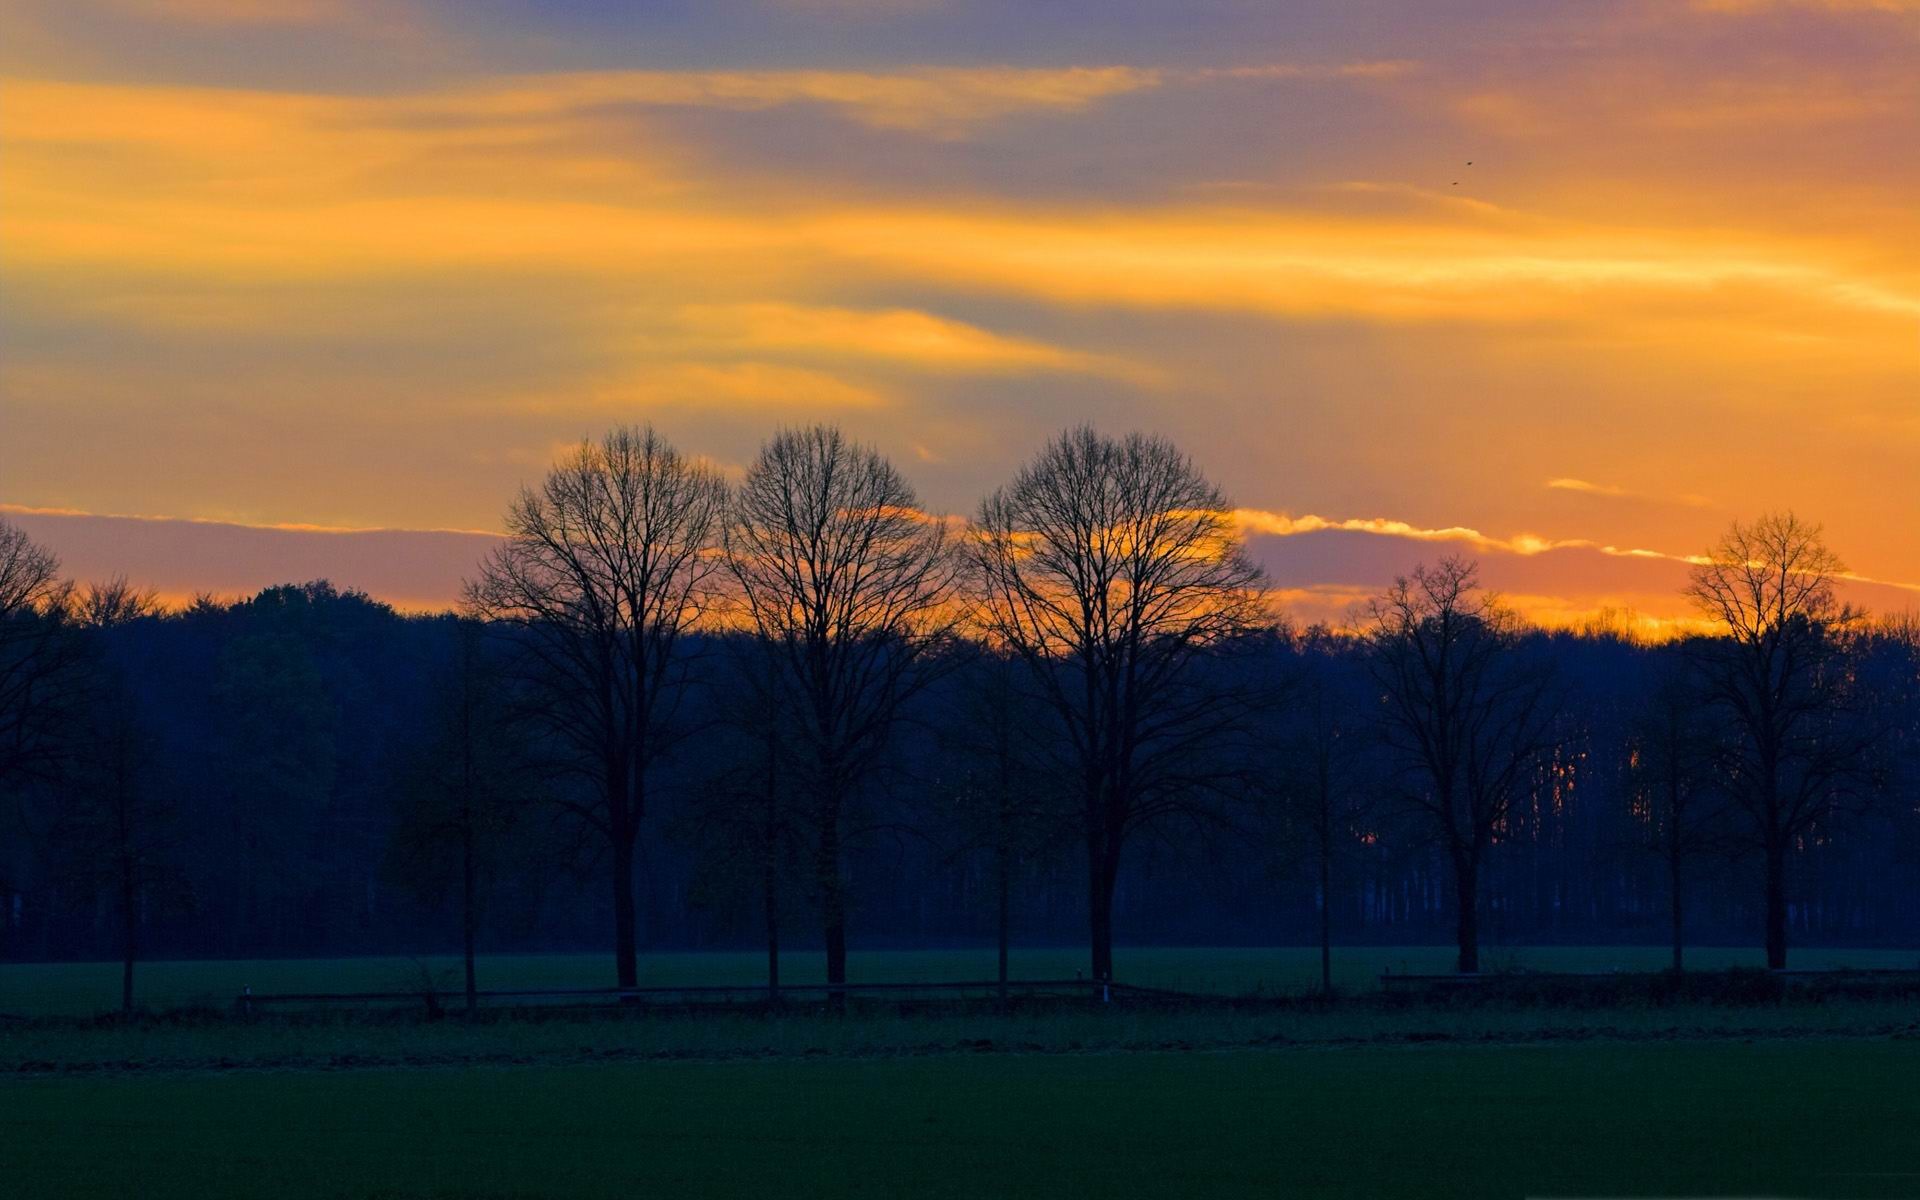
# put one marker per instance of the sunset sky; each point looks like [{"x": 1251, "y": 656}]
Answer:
[{"x": 1570, "y": 289}]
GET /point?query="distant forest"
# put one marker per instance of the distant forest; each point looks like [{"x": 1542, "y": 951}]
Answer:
[{"x": 793, "y": 712}]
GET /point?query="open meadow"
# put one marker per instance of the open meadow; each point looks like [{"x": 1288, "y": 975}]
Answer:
[{"x": 1367, "y": 1096}]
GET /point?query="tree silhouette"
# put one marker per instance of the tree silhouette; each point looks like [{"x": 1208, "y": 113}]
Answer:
[
  {"x": 41, "y": 663},
  {"x": 1779, "y": 676},
  {"x": 848, "y": 586},
  {"x": 1113, "y": 569},
  {"x": 993, "y": 787},
  {"x": 1670, "y": 773},
  {"x": 1468, "y": 713},
  {"x": 605, "y": 566},
  {"x": 116, "y": 819},
  {"x": 1321, "y": 770},
  {"x": 465, "y": 783}
]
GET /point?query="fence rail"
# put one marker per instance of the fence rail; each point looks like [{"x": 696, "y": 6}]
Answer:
[
  {"x": 1393, "y": 979},
  {"x": 687, "y": 994}
]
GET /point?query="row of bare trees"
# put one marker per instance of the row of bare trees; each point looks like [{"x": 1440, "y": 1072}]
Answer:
[
  {"x": 1119, "y": 668},
  {"x": 1109, "y": 582},
  {"x": 1767, "y": 721},
  {"x": 1106, "y": 571}
]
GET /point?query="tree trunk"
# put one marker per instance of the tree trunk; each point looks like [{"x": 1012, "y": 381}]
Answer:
[
  {"x": 468, "y": 918},
  {"x": 1005, "y": 924},
  {"x": 1776, "y": 904},
  {"x": 1466, "y": 876},
  {"x": 770, "y": 904},
  {"x": 770, "y": 864},
  {"x": 1100, "y": 877},
  {"x": 625, "y": 957},
  {"x": 1326, "y": 916},
  {"x": 129, "y": 920},
  {"x": 129, "y": 923},
  {"x": 833, "y": 903},
  {"x": 1679, "y": 900},
  {"x": 1003, "y": 830}
]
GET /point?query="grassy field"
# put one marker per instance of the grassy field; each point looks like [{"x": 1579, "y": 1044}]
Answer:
[
  {"x": 1363, "y": 1098},
  {"x": 1699, "y": 1119},
  {"x": 41, "y": 989}
]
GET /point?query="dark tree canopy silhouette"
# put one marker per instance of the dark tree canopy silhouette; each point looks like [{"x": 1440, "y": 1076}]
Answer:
[
  {"x": 1468, "y": 712},
  {"x": 1113, "y": 569},
  {"x": 848, "y": 585},
  {"x": 606, "y": 565}
]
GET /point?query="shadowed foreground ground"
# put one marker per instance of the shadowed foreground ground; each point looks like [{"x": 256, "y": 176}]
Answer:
[{"x": 1806, "y": 1118}]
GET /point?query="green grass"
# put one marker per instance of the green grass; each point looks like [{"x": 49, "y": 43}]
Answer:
[
  {"x": 1684, "y": 1098},
  {"x": 40, "y": 989},
  {"x": 1793, "y": 1118}
]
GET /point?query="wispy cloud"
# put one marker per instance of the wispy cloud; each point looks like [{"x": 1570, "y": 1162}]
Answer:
[
  {"x": 257, "y": 262},
  {"x": 304, "y": 185},
  {"x": 1614, "y": 492},
  {"x": 763, "y": 387},
  {"x": 1272, "y": 524},
  {"x": 895, "y": 335},
  {"x": 944, "y": 101},
  {"x": 1386, "y": 68}
]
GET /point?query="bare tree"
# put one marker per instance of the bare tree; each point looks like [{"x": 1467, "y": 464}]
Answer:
[
  {"x": 1325, "y": 783},
  {"x": 742, "y": 823},
  {"x": 997, "y": 804},
  {"x": 1778, "y": 674},
  {"x": 40, "y": 661},
  {"x": 1669, "y": 776},
  {"x": 848, "y": 586},
  {"x": 466, "y": 783},
  {"x": 606, "y": 565},
  {"x": 1113, "y": 569},
  {"x": 1468, "y": 714},
  {"x": 115, "y": 818}
]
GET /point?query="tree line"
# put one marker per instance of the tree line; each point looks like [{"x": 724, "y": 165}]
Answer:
[{"x": 798, "y": 709}]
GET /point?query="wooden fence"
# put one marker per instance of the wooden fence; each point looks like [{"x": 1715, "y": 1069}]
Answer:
[{"x": 707, "y": 995}]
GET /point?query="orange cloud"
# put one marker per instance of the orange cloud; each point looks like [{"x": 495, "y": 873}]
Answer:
[
  {"x": 292, "y": 186},
  {"x": 1613, "y": 492},
  {"x": 899, "y": 335},
  {"x": 1271, "y": 524},
  {"x": 769, "y": 387},
  {"x": 1893, "y": 7}
]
